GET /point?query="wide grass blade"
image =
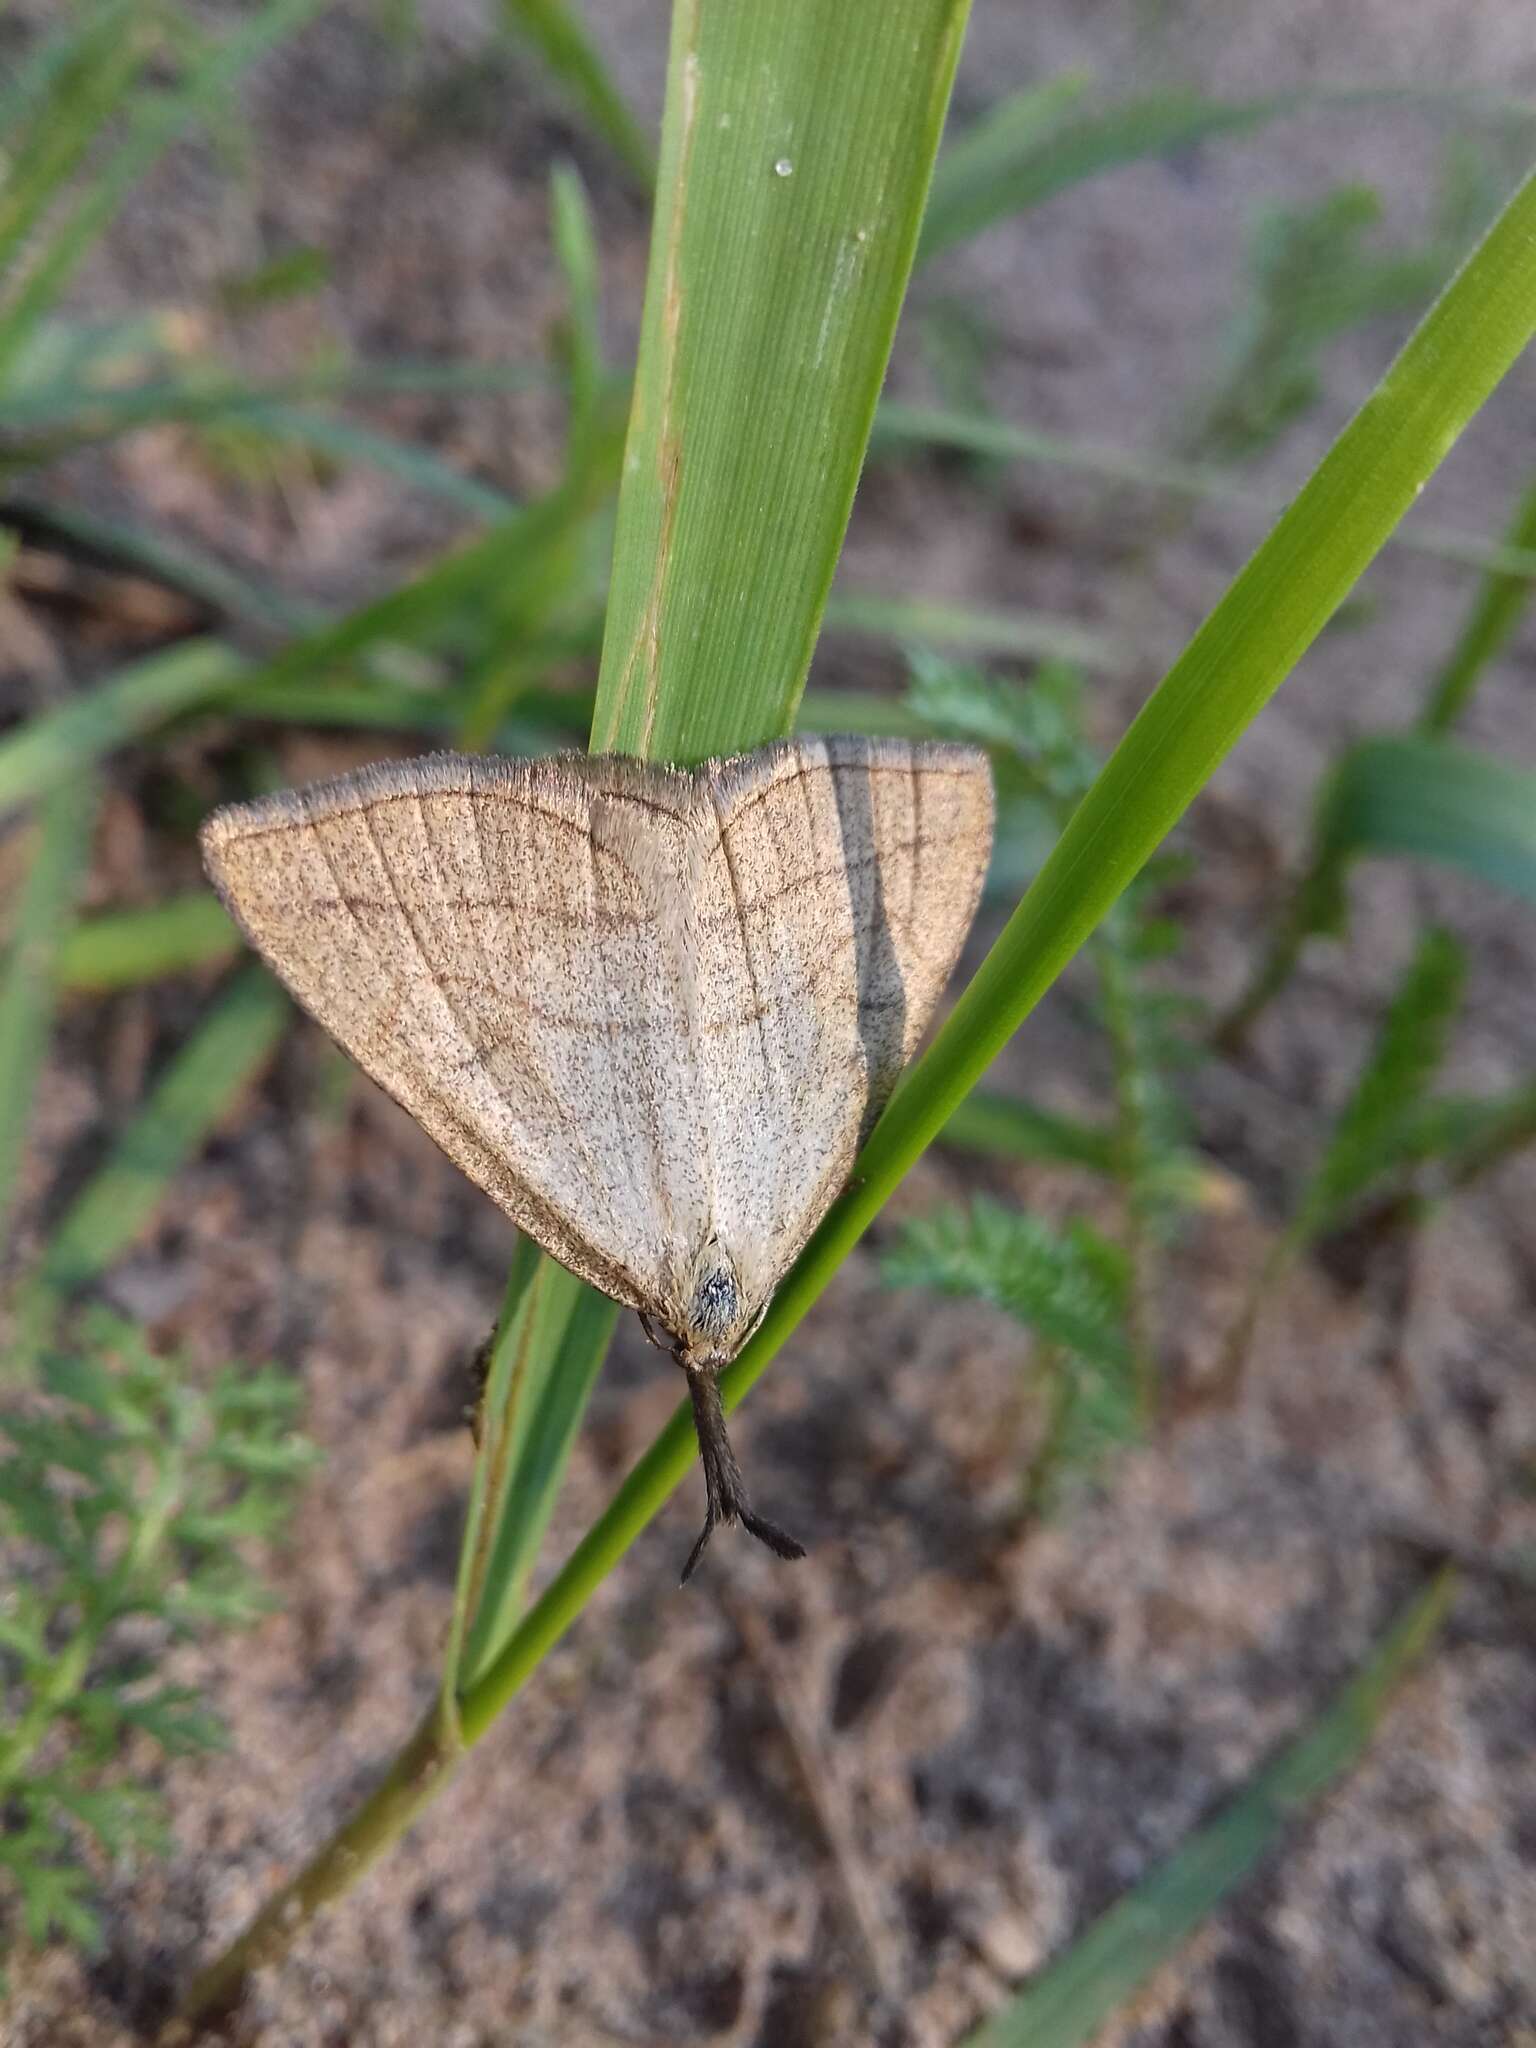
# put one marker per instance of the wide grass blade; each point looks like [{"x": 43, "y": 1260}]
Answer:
[
  {"x": 1079, "y": 1993},
  {"x": 193, "y": 1095},
  {"x": 29, "y": 976},
  {"x": 1239, "y": 657},
  {"x": 795, "y": 164},
  {"x": 720, "y": 155},
  {"x": 56, "y": 745}
]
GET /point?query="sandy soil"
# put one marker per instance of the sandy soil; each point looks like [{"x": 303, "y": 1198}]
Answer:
[{"x": 1007, "y": 1727}]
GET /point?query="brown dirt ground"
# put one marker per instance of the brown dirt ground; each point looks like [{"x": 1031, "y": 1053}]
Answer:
[{"x": 1014, "y": 1727}]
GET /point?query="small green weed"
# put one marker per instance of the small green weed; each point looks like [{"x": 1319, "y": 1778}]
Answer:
[{"x": 129, "y": 1499}]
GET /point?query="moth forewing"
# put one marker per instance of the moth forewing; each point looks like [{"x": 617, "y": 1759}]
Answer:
[{"x": 652, "y": 1014}]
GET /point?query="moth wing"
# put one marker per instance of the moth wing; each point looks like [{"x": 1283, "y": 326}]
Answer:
[
  {"x": 485, "y": 938},
  {"x": 842, "y": 879}
]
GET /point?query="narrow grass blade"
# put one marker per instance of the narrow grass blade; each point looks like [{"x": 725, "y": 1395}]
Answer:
[
  {"x": 795, "y": 163},
  {"x": 1497, "y": 610},
  {"x": 350, "y": 442},
  {"x": 898, "y": 427},
  {"x": 1079, "y": 1993},
  {"x": 575, "y": 240},
  {"x": 497, "y": 1369},
  {"x": 1003, "y": 1127},
  {"x": 75, "y": 412},
  {"x": 126, "y": 948},
  {"x": 1388, "y": 1097},
  {"x": 229, "y": 1047},
  {"x": 54, "y": 746},
  {"x": 514, "y": 555},
  {"x": 35, "y": 80},
  {"x": 87, "y": 72},
  {"x": 557, "y": 32},
  {"x": 1032, "y": 146},
  {"x": 550, "y": 1342},
  {"x": 156, "y": 124},
  {"x": 30, "y": 973},
  {"x": 927, "y": 622},
  {"x": 175, "y": 563},
  {"x": 1234, "y": 664}
]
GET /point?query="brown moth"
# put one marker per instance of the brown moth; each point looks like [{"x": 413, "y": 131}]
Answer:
[{"x": 653, "y": 1014}]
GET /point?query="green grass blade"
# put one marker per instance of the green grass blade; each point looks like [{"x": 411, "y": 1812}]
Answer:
[
  {"x": 233, "y": 1041},
  {"x": 1389, "y": 1095},
  {"x": 514, "y": 555},
  {"x": 558, "y": 1330},
  {"x": 1497, "y": 610},
  {"x": 1430, "y": 799},
  {"x": 99, "y": 68},
  {"x": 557, "y": 32},
  {"x": 1003, "y": 1127},
  {"x": 126, "y": 948},
  {"x": 75, "y": 412},
  {"x": 498, "y": 1385},
  {"x": 175, "y": 563},
  {"x": 898, "y": 427},
  {"x": 54, "y": 746},
  {"x": 1079, "y": 1993},
  {"x": 30, "y": 974},
  {"x": 1416, "y": 796},
  {"x": 348, "y": 441},
  {"x": 157, "y": 123},
  {"x": 929, "y": 622},
  {"x": 1018, "y": 155},
  {"x": 38, "y": 76},
  {"x": 1234, "y": 664},
  {"x": 555, "y": 1342},
  {"x": 575, "y": 240},
  {"x": 795, "y": 163}
]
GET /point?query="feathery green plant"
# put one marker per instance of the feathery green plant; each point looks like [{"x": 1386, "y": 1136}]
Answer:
[
  {"x": 1088, "y": 1298},
  {"x": 1072, "y": 1288},
  {"x": 129, "y": 1501}
]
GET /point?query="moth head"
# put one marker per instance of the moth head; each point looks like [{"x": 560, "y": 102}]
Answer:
[{"x": 717, "y": 1317}]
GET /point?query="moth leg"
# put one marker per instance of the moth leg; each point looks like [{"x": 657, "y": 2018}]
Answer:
[
  {"x": 724, "y": 1487},
  {"x": 650, "y": 1334}
]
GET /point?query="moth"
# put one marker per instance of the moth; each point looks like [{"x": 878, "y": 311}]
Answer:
[{"x": 652, "y": 1013}]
